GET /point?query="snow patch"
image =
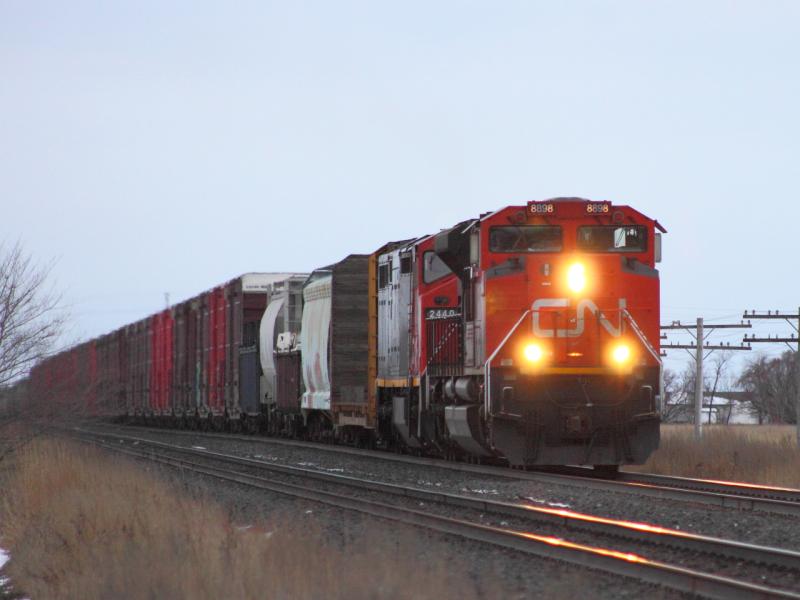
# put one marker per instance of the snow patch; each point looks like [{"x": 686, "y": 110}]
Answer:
[
  {"x": 480, "y": 491},
  {"x": 553, "y": 504},
  {"x": 320, "y": 467},
  {"x": 423, "y": 482},
  {"x": 5, "y": 582}
]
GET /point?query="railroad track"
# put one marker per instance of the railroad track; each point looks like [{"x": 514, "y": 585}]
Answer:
[
  {"x": 709, "y": 485},
  {"x": 733, "y": 495},
  {"x": 620, "y": 562}
]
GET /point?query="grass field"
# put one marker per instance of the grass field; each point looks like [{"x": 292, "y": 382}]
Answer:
[
  {"x": 82, "y": 524},
  {"x": 764, "y": 454}
]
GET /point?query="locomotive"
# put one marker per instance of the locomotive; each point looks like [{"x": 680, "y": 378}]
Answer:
[{"x": 529, "y": 335}]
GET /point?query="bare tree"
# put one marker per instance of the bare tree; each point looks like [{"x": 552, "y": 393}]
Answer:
[
  {"x": 31, "y": 317},
  {"x": 678, "y": 394},
  {"x": 772, "y": 383},
  {"x": 679, "y": 388},
  {"x": 719, "y": 375},
  {"x": 672, "y": 406}
]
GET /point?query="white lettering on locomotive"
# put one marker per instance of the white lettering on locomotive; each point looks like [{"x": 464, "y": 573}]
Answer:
[
  {"x": 442, "y": 313},
  {"x": 579, "y": 320}
]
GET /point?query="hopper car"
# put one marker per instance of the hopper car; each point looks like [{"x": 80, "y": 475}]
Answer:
[{"x": 528, "y": 335}]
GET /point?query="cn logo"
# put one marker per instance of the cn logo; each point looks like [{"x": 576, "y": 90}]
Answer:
[{"x": 579, "y": 321}]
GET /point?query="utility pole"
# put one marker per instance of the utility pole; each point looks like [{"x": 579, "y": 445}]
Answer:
[
  {"x": 698, "y": 381},
  {"x": 702, "y": 350},
  {"x": 791, "y": 339}
]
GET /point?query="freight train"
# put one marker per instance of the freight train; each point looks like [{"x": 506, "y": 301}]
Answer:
[{"x": 529, "y": 335}]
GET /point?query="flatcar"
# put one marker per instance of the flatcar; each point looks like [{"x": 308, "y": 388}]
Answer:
[{"x": 529, "y": 335}]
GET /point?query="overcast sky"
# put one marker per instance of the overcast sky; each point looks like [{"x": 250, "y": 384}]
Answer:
[{"x": 156, "y": 147}]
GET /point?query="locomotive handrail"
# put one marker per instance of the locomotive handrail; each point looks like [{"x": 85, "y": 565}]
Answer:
[
  {"x": 624, "y": 312},
  {"x": 488, "y": 364},
  {"x": 642, "y": 338},
  {"x": 640, "y": 334}
]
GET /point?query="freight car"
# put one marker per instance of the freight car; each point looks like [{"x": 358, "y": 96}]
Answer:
[{"x": 528, "y": 335}]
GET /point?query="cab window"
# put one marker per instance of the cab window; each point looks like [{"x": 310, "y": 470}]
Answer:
[
  {"x": 433, "y": 267},
  {"x": 526, "y": 238},
  {"x": 384, "y": 275},
  {"x": 611, "y": 238}
]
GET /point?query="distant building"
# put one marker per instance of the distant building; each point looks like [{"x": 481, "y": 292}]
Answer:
[
  {"x": 732, "y": 408},
  {"x": 678, "y": 413}
]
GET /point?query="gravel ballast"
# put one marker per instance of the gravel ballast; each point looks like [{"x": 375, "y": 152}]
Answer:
[
  {"x": 521, "y": 575},
  {"x": 757, "y": 573},
  {"x": 747, "y": 526}
]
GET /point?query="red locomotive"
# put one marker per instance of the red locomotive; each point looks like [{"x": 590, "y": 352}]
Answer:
[{"x": 528, "y": 335}]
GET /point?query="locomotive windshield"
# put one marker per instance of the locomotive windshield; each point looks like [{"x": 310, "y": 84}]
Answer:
[
  {"x": 525, "y": 238},
  {"x": 611, "y": 238},
  {"x": 433, "y": 267}
]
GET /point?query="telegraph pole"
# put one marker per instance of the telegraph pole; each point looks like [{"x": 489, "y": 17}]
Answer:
[
  {"x": 698, "y": 381},
  {"x": 791, "y": 339},
  {"x": 702, "y": 349}
]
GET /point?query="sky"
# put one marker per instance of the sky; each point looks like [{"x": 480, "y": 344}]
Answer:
[{"x": 150, "y": 147}]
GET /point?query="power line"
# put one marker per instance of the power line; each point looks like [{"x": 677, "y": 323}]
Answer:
[
  {"x": 679, "y": 325},
  {"x": 701, "y": 350}
]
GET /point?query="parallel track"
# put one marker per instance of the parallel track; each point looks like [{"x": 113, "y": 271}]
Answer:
[
  {"x": 733, "y": 495},
  {"x": 735, "y": 488},
  {"x": 622, "y": 563}
]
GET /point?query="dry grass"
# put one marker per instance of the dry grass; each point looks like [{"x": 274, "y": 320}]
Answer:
[
  {"x": 765, "y": 454},
  {"x": 81, "y": 524}
]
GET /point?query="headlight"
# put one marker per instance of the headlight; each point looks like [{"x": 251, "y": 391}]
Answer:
[
  {"x": 533, "y": 353},
  {"x": 576, "y": 277},
  {"x": 621, "y": 354}
]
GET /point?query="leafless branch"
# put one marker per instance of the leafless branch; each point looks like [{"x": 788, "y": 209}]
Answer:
[
  {"x": 31, "y": 313},
  {"x": 772, "y": 384}
]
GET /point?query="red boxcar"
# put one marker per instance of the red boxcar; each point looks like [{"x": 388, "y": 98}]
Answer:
[{"x": 197, "y": 359}]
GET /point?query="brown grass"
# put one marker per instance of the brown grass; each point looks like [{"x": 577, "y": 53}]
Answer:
[
  {"x": 82, "y": 524},
  {"x": 765, "y": 454}
]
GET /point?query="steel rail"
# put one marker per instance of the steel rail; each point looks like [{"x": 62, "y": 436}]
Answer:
[
  {"x": 741, "y": 496},
  {"x": 618, "y": 563},
  {"x": 738, "y": 488},
  {"x": 640, "y": 532},
  {"x": 746, "y": 498},
  {"x": 727, "y": 487}
]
